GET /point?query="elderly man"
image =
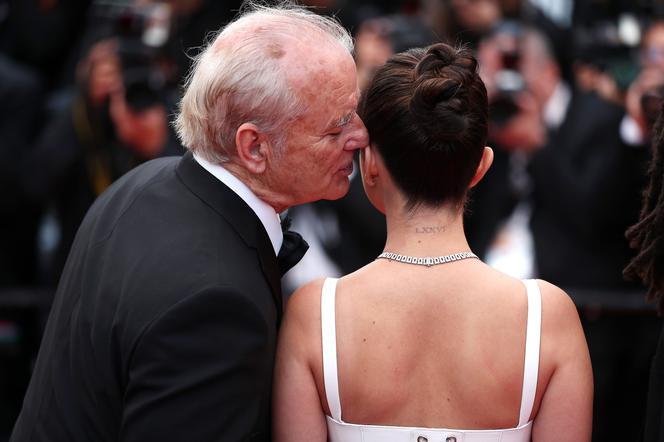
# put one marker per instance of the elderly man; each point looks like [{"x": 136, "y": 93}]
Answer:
[{"x": 165, "y": 320}]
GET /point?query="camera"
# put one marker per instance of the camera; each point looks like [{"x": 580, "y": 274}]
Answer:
[
  {"x": 508, "y": 80},
  {"x": 509, "y": 83},
  {"x": 142, "y": 33}
]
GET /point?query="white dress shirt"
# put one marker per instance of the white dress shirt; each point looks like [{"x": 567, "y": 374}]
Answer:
[
  {"x": 556, "y": 106},
  {"x": 263, "y": 211}
]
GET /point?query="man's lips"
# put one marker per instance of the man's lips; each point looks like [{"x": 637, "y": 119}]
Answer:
[{"x": 347, "y": 169}]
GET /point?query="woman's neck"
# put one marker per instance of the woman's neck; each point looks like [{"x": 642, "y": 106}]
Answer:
[{"x": 426, "y": 232}]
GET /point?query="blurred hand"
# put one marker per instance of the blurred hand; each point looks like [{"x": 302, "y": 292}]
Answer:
[
  {"x": 143, "y": 131},
  {"x": 589, "y": 78},
  {"x": 525, "y": 131},
  {"x": 100, "y": 72},
  {"x": 607, "y": 88}
]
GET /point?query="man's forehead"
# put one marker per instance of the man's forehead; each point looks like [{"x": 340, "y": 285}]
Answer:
[
  {"x": 311, "y": 62},
  {"x": 325, "y": 79},
  {"x": 327, "y": 109}
]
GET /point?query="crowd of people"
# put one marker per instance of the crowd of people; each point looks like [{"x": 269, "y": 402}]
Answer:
[{"x": 89, "y": 89}]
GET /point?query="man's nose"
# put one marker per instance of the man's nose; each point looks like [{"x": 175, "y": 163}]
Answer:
[{"x": 359, "y": 137}]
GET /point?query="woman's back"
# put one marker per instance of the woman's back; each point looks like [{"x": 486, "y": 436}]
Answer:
[
  {"x": 431, "y": 346},
  {"x": 435, "y": 347}
]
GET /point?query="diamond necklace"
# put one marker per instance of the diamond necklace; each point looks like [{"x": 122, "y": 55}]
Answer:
[{"x": 427, "y": 260}]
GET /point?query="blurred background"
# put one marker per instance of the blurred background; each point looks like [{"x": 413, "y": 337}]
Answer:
[{"x": 88, "y": 89}]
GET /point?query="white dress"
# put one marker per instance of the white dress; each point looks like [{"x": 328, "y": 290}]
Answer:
[{"x": 340, "y": 431}]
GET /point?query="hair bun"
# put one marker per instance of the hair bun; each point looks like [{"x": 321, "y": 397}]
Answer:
[
  {"x": 439, "y": 100},
  {"x": 437, "y": 57},
  {"x": 427, "y": 113}
]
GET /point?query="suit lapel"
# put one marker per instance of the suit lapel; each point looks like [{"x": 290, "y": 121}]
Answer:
[
  {"x": 271, "y": 271},
  {"x": 238, "y": 214}
]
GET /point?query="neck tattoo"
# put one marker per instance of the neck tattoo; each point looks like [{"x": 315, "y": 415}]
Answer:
[{"x": 430, "y": 229}]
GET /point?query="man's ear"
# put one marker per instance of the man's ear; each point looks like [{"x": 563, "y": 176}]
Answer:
[
  {"x": 252, "y": 147},
  {"x": 483, "y": 167}
]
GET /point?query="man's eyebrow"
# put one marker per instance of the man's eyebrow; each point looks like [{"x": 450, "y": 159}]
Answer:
[{"x": 344, "y": 120}]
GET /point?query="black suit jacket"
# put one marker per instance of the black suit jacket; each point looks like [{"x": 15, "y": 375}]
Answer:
[
  {"x": 164, "y": 324},
  {"x": 585, "y": 193},
  {"x": 587, "y": 186}
]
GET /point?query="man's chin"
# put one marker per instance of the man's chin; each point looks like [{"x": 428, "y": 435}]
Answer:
[
  {"x": 340, "y": 190},
  {"x": 334, "y": 191},
  {"x": 339, "y": 195}
]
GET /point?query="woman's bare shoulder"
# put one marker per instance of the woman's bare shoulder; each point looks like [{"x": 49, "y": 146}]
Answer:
[
  {"x": 300, "y": 332},
  {"x": 303, "y": 306},
  {"x": 562, "y": 334},
  {"x": 556, "y": 303}
]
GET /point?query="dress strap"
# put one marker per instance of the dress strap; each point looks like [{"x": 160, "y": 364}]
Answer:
[
  {"x": 531, "y": 363},
  {"x": 329, "y": 334}
]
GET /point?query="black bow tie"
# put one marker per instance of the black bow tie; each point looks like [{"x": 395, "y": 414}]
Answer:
[{"x": 292, "y": 249}]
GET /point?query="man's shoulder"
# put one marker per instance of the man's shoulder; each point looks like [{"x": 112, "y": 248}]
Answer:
[
  {"x": 142, "y": 176},
  {"x": 120, "y": 199},
  {"x": 162, "y": 240}
]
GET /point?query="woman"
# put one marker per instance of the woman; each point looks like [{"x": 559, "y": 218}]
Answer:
[{"x": 406, "y": 348}]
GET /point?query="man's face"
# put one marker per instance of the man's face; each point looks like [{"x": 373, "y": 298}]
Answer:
[{"x": 318, "y": 157}]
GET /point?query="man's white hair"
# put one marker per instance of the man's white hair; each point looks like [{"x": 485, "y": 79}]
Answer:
[{"x": 240, "y": 78}]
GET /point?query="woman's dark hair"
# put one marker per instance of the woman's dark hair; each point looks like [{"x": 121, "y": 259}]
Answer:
[
  {"x": 647, "y": 235},
  {"x": 426, "y": 111}
]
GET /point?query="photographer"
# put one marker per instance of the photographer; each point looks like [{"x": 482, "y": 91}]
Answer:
[{"x": 116, "y": 120}]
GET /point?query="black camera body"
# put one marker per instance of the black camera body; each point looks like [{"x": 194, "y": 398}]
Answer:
[
  {"x": 142, "y": 34},
  {"x": 508, "y": 81}
]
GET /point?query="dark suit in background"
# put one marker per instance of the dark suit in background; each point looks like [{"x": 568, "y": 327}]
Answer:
[
  {"x": 165, "y": 319},
  {"x": 586, "y": 192}
]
